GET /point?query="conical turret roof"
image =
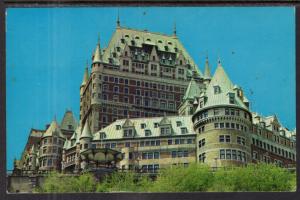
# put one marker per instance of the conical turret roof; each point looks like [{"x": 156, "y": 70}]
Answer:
[
  {"x": 207, "y": 74},
  {"x": 85, "y": 76},
  {"x": 69, "y": 122},
  {"x": 225, "y": 87},
  {"x": 86, "y": 132},
  {"x": 97, "y": 55},
  {"x": 53, "y": 130},
  {"x": 192, "y": 90}
]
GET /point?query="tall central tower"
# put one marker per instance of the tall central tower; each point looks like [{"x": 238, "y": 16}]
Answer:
[{"x": 139, "y": 74}]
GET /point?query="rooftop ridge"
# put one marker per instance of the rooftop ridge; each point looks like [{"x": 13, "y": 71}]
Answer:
[{"x": 146, "y": 31}]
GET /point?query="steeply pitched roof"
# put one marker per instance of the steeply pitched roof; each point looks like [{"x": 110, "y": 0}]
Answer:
[
  {"x": 145, "y": 37},
  {"x": 221, "y": 80},
  {"x": 165, "y": 121},
  {"x": 97, "y": 54},
  {"x": 192, "y": 90},
  {"x": 128, "y": 123},
  {"x": 86, "y": 132},
  {"x": 53, "y": 130},
  {"x": 68, "y": 120},
  {"x": 85, "y": 76},
  {"x": 207, "y": 74},
  {"x": 150, "y": 124}
]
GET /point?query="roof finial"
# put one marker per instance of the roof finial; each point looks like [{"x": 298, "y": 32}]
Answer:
[
  {"x": 98, "y": 41},
  {"x": 174, "y": 29},
  {"x": 219, "y": 60},
  {"x": 118, "y": 19}
]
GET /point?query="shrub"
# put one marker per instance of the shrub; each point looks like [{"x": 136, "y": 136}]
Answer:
[{"x": 196, "y": 177}]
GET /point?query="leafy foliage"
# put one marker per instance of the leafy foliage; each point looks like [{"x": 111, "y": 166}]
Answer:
[
  {"x": 196, "y": 177},
  {"x": 59, "y": 183}
]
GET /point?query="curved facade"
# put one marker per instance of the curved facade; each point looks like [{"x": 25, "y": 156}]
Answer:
[
  {"x": 223, "y": 135},
  {"x": 51, "y": 148}
]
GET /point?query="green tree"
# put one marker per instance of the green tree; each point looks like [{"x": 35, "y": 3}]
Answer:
[
  {"x": 196, "y": 177},
  {"x": 60, "y": 183}
]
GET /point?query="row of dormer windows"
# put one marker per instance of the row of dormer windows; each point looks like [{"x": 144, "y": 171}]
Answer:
[{"x": 274, "y": 149}]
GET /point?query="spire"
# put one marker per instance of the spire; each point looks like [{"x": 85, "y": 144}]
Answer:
[
  {"x": 118, "y": 19},
  {"x": 207, "y": 74},
  {"x": 174, "y": 30},
  {"x": 86, "y": 132},
  {"x": 86, "y": 75},
  {"x": 97, "y": 55},
  {"x": 219, "y": 61},
  {"x": 192, "y": 90}
]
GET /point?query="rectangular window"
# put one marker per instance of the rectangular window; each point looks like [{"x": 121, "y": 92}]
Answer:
[
  {"x": 144, "y": 155},
  {"x": 222, "y": 154},
  {"x": 174, "y": 154},
  {"x": 170, "y": 142},
  {"x": 156, "y": 155},
  {"x": 183, "y": 130},
  {"x": 226, "y": 111},
  {"x": 227, "y": 125},
  {"x": 221, "y": 138},
  {"x": 216, "y": 125},
  {"x": 239, "y": 155},
  {"x": 221, "y": 125},
  {"x": 178, "y": 123},
  {"x": 227, "y": 138},
  {"x": 142, "y": 143},
  {"x": 150, "y": 155},
  {"x": 233, "y": 154},
  {"x": 228, "y": 154},
  {"x": 185, "y": 153},
  {"x": 216, "y": 111},
  {"x": 180, "y": 154}
]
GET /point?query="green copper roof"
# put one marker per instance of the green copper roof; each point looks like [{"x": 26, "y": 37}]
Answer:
[
  {"x": 150, "y": 124},
  {"x": 86, "y": 132},
  {"x": 144, "y": 37},
  {"x": 207, "y": 74},
  {"x": 53, "y": 130},
  {"x": 68, "y": 122},
  {"x": 97, "y": 54},
  {"x": 221, "y": 80},
  {"x": 192, "y": 90},
  {"x": 85, "y": 76}
]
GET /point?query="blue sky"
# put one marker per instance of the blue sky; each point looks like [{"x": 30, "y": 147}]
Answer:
[{"x": 47, "y": 49}]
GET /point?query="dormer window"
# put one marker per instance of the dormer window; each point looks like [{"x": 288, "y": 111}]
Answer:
[
  {"x": 102, "y": 135},
  {"x": 201, "y": 104},
  {"x": 128, "y": 133},
  {"x": 147, "y": 133},
  {"x": 70, "y": 127},
  {"x": 155, "y": 125},
  {"x": 184, "y": 130},
  {"x": 118, "y": 127},
  {"x": 165, "y": 130},
  {"x": 217, "y": 89},
  {"x": 231, "y": 98},
  {"x": 178, "y": 123},
  {"x": 143, "y": 126}
]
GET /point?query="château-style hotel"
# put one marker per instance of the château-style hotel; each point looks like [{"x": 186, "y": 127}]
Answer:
[{"x": 145, "y": 105}]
